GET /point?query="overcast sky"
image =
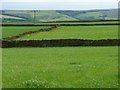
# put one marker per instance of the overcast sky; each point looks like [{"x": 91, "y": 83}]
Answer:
[{"x": 58, "y": 4}]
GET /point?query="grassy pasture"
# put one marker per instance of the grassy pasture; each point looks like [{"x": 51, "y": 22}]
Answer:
[
  {"x": 70, "y": 67},
  {"x": 76, "y": 32},
  {"x": 8, "y": 31}
]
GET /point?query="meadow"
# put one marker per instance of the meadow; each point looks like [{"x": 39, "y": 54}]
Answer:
[
  {"x": 61, "y": 67},
  {"x": 76, "y": 32},
  {"x": 70, "y": 67},
  {"x": 8, "y": 31}
]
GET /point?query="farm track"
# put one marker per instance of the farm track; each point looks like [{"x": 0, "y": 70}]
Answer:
[
  {"x": 60, "y": 43},
  {"x": 30, "y": 32}
]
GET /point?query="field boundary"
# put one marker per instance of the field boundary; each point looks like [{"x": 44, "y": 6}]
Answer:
[
  {"x": 30, "y": 32},
  {"x": 102, "y": 24},
  {"x": 82, "y": 21},
  {"x": 60, "y": 43}
]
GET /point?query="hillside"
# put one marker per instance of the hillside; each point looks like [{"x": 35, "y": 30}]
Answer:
[
  {"x": 111, "y": 14},
  {"x": 58, "y": 15}
]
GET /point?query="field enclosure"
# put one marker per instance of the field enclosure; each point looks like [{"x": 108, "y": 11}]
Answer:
[
  {"x": 62, "y": 22},
  {"x": 71, "y": 67},
  {"x": 76, "y": 32},
  {"x": 59, "y": 66},
  {"x": 9, "y": 31}
]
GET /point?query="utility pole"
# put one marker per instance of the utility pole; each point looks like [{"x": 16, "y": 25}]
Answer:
[{"x": 34, "y": 17}]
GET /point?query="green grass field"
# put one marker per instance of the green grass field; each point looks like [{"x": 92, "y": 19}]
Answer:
[
  {"x": 76, "y": 32},
  {"x": 61, "y": 67},
  {"x": 70, "y": 67},
  {"x": 8, "y": 31}
]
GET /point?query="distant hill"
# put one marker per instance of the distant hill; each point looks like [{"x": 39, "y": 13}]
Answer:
[
  {"x": 110, "y": 14},
  {"x": 58, "y": 15}
]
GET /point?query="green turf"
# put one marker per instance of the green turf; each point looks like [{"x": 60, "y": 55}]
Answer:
[
  {"x": 8, "y": 31},
  {"x": 76, "y": 32},
  {"x": 60, "y": 67}
]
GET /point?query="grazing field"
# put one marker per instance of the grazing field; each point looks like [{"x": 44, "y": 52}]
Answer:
[
  {"x": 47, "y": 61},
  {"x": 76, "y": 32},
  {"x": 8, "y": 31},
  {"x": 70, "y": 67}
]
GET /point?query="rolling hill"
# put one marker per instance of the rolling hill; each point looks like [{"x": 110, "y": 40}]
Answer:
[
  {"x": 110, "y": 14},
  {"x": 58, "y": 15}
]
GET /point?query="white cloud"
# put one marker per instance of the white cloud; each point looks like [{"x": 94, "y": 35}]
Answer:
[{"x": 59, "y": 4}]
